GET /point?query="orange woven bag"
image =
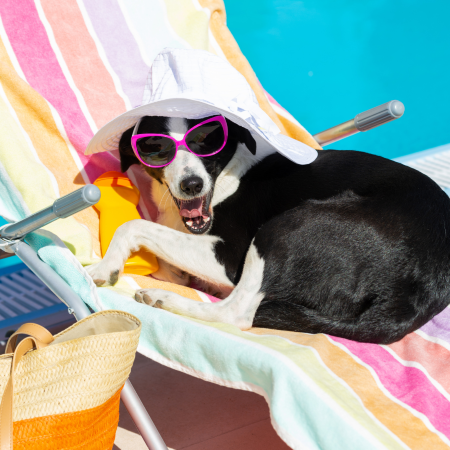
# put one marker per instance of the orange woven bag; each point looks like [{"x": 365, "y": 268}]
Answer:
[{"x": 64, "y": 391}]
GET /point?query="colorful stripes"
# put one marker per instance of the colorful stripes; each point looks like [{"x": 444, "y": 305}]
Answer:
[
  {"x": 398, "y": 398},
  {"x": 439, "y": 327},
  {"x": 83, "y": 61},
  {"x": 120, "y": 48},
  {"x": 408, "y": 385}
]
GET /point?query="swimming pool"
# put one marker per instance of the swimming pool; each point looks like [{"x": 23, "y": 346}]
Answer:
[{"x": 326, "y": 61}]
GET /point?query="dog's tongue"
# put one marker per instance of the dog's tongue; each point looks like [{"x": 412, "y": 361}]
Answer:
[{"x": 191, "y": 208}]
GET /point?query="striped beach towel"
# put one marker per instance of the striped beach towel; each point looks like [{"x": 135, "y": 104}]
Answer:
[{"x": 66, "y": 68}]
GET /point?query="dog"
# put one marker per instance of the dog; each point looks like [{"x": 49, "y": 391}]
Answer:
[{"x": 353, "y": 244}]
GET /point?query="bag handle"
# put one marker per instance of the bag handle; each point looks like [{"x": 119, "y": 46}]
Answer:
[
  {"x": 6, "y": 406},
  {"x": 41, "y": 334}
]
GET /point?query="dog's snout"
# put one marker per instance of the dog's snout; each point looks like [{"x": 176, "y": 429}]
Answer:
[{"x": 192, "y": 185}]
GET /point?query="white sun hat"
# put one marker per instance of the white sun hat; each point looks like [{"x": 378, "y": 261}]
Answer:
[{"x": 194, "y": 84}]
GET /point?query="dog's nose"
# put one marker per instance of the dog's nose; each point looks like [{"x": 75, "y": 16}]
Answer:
[{"x": 192, "y": 185}]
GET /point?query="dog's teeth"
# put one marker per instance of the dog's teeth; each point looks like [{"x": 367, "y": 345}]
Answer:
[
  {"x": 190, "y": 223},
  {"x": 206, "y": 219}
]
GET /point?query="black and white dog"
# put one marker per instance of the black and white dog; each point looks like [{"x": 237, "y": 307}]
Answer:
[{"x": 352, "y": 245}]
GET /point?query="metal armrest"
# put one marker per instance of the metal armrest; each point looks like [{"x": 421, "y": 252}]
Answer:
[
  {"x": 63, "y": 207},
  {"x": 364, "y": 121}
]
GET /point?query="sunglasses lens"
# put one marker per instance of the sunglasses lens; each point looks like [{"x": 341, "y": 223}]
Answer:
[
  {"x": 206, "y": 139},
  {"x": 156, "y": 151}
]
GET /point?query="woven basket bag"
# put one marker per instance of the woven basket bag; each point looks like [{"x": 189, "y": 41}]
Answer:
[{"x": 63, "y": 391}]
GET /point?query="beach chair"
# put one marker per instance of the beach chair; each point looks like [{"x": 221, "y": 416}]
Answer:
[
  {"x": 12, "y": 243},
  {"x": 77, "y": 65}
]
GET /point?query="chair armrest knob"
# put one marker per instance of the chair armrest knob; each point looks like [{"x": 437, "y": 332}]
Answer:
[
  {"x": 379, "y": 115},
  {"x": 76, "y": 201}
]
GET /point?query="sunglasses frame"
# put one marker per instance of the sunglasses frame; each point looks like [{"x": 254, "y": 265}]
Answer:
[{"x": 135, "y": 137}]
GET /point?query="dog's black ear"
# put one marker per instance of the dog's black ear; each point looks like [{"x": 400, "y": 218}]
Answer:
[
  {"x": 249, "y": 141},
  {"x": 127, "y": 156},
  {"x": 241, "y": 134}
]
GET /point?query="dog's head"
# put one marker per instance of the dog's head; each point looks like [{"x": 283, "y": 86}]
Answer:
[{"x": 190, "y": 179}]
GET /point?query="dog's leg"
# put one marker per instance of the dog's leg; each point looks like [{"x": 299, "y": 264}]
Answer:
[
  {"x": 238, "y": 308},
  {"x": 192, "y": 254}
]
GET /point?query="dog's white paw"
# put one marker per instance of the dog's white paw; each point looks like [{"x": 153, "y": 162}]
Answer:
[
  {"x": 103, "y": 274},
  {"x": 151, "y": 297}
]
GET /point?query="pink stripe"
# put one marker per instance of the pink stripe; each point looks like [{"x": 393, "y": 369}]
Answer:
[
  {"x": 213, "y": 299},
  {"x": 81, "y": 56},
  {"x": 41, "y": 68},
  {"x": 273, "y": 101},
  {"x": 407, "y": 384},
  {"x": 433, "y": 357}
]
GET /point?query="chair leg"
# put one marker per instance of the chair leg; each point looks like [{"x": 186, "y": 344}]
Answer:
[{"x": 141, "y": 418}]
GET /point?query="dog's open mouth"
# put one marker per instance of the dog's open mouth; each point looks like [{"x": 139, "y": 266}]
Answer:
[{"x": 196, "y": 213}]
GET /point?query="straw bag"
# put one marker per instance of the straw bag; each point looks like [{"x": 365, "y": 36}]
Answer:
[{"x": 67, "y": 390}]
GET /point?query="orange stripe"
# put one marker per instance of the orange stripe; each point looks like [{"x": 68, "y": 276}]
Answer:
[
  {"x": 81, "y": 56},
  {"x": 296, "y": 132},
  {"x": 36, "y": 119},
  {"x": 91, "y": 429},
  {"x": 410, "y": 429}
]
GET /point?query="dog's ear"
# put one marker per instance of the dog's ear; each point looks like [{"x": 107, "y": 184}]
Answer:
[
  {"x": 242, "y": 135},
  {"x": 248, "y": 140},
  {"x": 127, "y": 156}
]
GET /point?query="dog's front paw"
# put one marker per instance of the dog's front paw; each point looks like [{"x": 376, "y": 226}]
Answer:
[
  {"x": 151, "y": 297},
  {"x": 102, "y": 274}
]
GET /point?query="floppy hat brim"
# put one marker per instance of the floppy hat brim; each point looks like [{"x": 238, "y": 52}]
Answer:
[{"x": 108, "y": 137}]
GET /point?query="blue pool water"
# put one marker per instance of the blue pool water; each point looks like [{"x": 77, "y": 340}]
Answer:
[{"x": 326, "y": 60}]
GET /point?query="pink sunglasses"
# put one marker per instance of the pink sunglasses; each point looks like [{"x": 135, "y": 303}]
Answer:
[{"x": 158, "y": 150}]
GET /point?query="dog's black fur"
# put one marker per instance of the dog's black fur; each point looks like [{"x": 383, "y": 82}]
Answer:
[{"x": 354, "y": 245}]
